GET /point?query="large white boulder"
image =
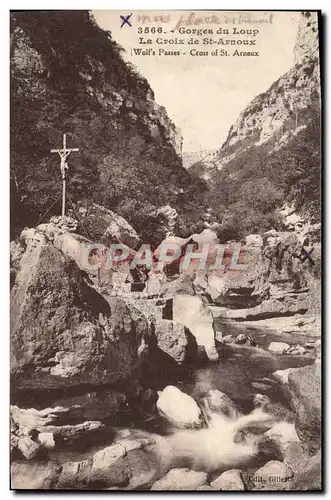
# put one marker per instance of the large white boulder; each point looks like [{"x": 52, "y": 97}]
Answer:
[
  {"x": 190, "y": 311},
  {"x": 179, "y": 408}
]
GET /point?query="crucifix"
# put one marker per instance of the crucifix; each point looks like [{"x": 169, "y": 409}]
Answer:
[{"x": 64, "y": 153}]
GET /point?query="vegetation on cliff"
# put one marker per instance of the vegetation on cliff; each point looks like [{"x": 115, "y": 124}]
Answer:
[{"x": 67, "y": 75}]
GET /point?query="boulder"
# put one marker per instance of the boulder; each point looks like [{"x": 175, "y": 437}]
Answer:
[
  {"x": 77, "y": 248},
  {"x": 167, "y": 249},
  {"x": 272, "y": 476},
  {"x": 172, "y": 339},
  {"x": 305, "y": 393},
  {"x": 190, "y": 311},
  {"x": 34, "y": 476},
  {"x": 278, "y": 347},
  {"x": 282, "y": 375},
  {"x": 307, "y": 468},
  {"x": 46, "y": 439},
  {"x": 179, "y": 408},
  {"x": 216, "y": 287},
  {"x": 296, "y": 457},
  {"x": 217, "y": 401},
  {"x": 180, "y": 479},
  {"x": 282, "y": 434},
  {"x": 309, "y": 475},
  {"x": 231, "y": 480},
  {"x": 107, "y": 226},
  {"x": 245, "y": 339},
  {"x": 29, "y": 448},
  {"x": 182, "y": 285},
  {"x": 63, "y": 332},
  {"x": 197, "y": 241}
]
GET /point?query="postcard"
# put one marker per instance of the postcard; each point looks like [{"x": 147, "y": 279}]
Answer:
[{"x": 165, "y": 250}]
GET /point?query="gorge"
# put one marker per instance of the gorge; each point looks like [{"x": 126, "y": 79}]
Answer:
[{"x": 167, "y": 377}]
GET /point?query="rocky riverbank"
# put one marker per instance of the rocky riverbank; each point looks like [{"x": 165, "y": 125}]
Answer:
[{"x": 165, "y": 379}]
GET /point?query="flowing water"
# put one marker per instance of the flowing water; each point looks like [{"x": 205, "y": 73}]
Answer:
[{"x": 241, "y": 372}]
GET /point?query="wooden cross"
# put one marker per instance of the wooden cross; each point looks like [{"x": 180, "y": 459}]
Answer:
[{"x": 64, "y": 153}]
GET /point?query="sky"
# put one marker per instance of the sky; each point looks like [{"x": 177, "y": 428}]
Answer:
[{"x": 204, "y": 95}]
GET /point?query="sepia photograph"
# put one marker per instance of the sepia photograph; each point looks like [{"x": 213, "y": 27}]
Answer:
[{"x": 165, "y": 250}]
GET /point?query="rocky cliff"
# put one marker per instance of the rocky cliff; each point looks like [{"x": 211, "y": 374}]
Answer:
[
  {"x": 272, "y": 152},
  {"x": 280, "y": 108},
  {"x": 307, "y": 42},
  {"x": 67, "y": 75}
]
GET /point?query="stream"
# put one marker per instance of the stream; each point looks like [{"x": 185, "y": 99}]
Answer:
[{"x": 241, "y": 372}]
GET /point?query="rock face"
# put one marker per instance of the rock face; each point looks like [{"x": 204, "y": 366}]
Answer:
[
  {"x": 63, "y": 332},
  {"x": 268, "y": 112},
  {"x": 251, "y": 160},
  {"x": 180, "y": 479},
  {"x": 273, "y": 284},
  {"x": 179, "y": 408},
  {"x": 305, "y": 389},
  {"x": 307, "y": 37}
]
